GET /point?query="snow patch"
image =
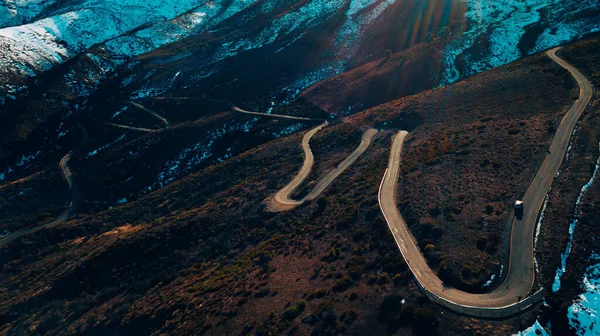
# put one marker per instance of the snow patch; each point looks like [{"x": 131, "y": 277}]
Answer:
[
  {"x": 288, "y": 130},
  {"x": 565, "y": 255},
  {"x": 583, "y": 315},
  {"x": 95, "y": 151},
  {"x": 192, "y": 156},
  {"x": 27, "y": 159},
  {"x": 535, "y": 330},
  {"x": 503, "y": 23}
]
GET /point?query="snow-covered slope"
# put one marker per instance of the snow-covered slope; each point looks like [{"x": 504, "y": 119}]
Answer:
[
  {"x": 501, "y": 31},
  {"x": 37, "y": 46},
  {"x": 17, "y": 12},
  {"x": 261, "y": 53},
  {"x": 494, "y": 32}
]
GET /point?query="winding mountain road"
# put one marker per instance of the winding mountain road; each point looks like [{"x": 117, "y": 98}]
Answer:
[
  {"x": 75, "y": 196},
  {"x": 239, "y": 109},
  {"x": 282, "y": 201},
  {"x": 506, "y": 299}
]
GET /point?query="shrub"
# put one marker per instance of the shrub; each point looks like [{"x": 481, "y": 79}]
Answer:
[
  {"x": 425, "y": 227},
  {"x": 446, "y": 274},
  {"x": 437, "y": 232},
  {"x": 492, "y": 245},
  {"x": 294, "y": 310},
  {"x": 322, "y": 202},
  {"x": 481, "y": 243},
  {"x": 321, "y": 292},
  {"x": 425, "y": 322},
  {"x": 343, "y": 284},
  {"x": 333, "y": 255},
  {"x": 349, "y": 316},
  {"x": 551, "y": 127},
  {"x": 434, "y": 210},
  {"x": 467, "y": 271},
  {"x": 393, "y": 264},
  {"x": 393, "y": 312},
  {"x": 359, "y": 234},
  {"x": 262, "y": 293}
]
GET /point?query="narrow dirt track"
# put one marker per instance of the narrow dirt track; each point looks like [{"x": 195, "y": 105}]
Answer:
[
  {"x": 21, "y": 180},
  {"x": 131, "y": 128},
  {"x": 75, "y": 196},
  {"x": 156, "y": 115},
  {"x": 506, "y": 299},
  {"x": 126, "y": 127},
  {"x": 282, "y": 201}
]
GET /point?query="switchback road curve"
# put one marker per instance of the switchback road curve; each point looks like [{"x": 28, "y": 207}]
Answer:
[
  {"x": 506, "y": 299},
  {"x": 282, "y": 201}
]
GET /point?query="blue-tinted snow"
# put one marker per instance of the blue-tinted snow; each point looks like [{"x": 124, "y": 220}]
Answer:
[
  {"x": 492, "y": 277},
  {"x": 192, "y": 156},
  {"x": 39, "y": 45},
  {"x": 489, "y": 282},
  {"x": 584, "y": 314},
  {"x": 95, "y": 151},
  {"x": 310, "y": 14},
  {"x": 17, "y": 12},
  {"x": 535, "y": 330},
  {"x": 119, "y": 112},
  {"x": 565, "y": 255},
  {"x": 503, "y": 23},
  {"x": 539, "y": 227},
  {"x": 288, "y": 130},
  {"x": 328, "y": 70},
  {"x": 42, "y": 44},
  {"x": 27, "y": 159},
  {"x": 357, "y": 17}
]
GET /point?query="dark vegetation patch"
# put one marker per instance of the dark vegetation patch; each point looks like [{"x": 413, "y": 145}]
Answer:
[
  {"x": 34, "y": 200},
  {"x": 200, "y": 243}
]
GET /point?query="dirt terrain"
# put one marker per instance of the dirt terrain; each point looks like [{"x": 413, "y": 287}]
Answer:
[{"x": 200, "y": 254}]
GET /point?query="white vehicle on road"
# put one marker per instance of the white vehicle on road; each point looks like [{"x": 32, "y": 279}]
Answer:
[{"x": 519, "y": 205}]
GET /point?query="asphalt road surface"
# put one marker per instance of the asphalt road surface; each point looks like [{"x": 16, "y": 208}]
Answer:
[{"x": 521, "y": 273}]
